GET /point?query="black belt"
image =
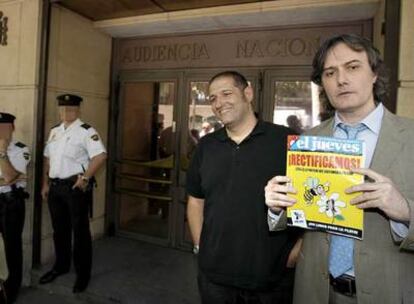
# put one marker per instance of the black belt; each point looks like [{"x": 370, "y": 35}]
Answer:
[
  {"x": 343, "y": 284},
  {"x": 15, "y": 192},
  {"x": 63, "y": 181},
  {"x": 6, "y": 195}
]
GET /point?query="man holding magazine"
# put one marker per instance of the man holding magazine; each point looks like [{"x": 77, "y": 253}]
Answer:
[{"x": 379, "y": 268}]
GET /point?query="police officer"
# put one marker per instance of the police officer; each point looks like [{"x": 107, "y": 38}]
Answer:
[
  {"x": 14, "y": 157},
  {"x": 73, "y": 154}
]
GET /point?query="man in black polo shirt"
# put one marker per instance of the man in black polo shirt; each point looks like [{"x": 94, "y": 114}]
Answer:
[{"x": 240, "y": 261}]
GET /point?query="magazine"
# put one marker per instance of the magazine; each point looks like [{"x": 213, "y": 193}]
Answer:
[{"x": 319, "y": 168}]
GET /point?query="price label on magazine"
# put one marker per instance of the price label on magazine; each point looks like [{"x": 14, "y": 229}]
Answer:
[{"x": 319, "y": 168}]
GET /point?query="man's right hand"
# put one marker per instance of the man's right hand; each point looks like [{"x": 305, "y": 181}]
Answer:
[
  {"x": 45, "y": 191},
  {"x": 276, "y": 193}
]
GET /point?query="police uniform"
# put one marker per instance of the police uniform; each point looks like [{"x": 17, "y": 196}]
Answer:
[
  {"x": 69, "y": 151},
  {"x": 12, "y": 212}
]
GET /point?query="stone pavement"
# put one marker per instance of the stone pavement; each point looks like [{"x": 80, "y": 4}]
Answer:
[{"x": 124, "y": 271}]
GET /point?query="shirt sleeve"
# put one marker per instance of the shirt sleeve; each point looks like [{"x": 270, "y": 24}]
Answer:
[
  {"x": 20, "y": 159},
  {"x": 93, "y": 143},
  {"x": 400, "y": 229},
  {"x": 193, "y": 182},
  {"x": 46, "y": 151},
  {"x": 273, "y": 219},
  {"x": 276, "y": 222}
]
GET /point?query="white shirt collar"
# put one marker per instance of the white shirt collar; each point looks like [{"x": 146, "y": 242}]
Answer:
[
  {"x": 373, "y": 120},
  {"x": 74, "y": 124}
]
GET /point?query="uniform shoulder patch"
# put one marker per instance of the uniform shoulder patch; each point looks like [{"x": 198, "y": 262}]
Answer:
[
  {"x": 85, "y": 126},
  {"x": 20, "y": 144}
]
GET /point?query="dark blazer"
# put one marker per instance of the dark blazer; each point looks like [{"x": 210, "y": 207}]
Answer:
[{"x": 384, "y": 264}]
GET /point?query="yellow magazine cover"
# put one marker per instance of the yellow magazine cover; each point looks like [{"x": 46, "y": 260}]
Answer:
[{"x": 319, "y": 168}]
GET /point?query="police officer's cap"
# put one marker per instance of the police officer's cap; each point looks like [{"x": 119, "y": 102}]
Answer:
[
  {"x": 69, "y": 100},
  {"x": 6, "y": 118}
]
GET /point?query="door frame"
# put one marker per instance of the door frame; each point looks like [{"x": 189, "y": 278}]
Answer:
[{"x": 131, "y": 77}]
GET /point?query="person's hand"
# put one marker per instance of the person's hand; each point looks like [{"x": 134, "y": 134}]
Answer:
[
  {"x": 4, "y": 144},
  {"x": 45, "y": 191},
  {"x": 276, "y": 193},
  {"x": 80, "y": 183},
  {"x": 381, "y": 194}
]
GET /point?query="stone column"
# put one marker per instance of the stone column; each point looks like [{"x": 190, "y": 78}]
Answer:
[{"x": 19, "y": 61}]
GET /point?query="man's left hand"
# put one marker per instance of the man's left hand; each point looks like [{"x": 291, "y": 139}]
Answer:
[{"x": 381, "y": 194}]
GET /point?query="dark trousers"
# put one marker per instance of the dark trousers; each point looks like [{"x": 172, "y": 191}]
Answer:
[
  {"x": 212, "y": 293},
  {"x": 69, "y": 212},
  {"x": 12, "y": 212}
]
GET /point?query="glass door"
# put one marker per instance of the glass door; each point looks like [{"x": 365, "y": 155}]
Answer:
[
  {"x": 291, "y": 99},
  {"x": 145, "y": 175}
]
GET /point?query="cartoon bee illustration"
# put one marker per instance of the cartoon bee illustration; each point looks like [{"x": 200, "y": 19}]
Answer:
[{"x": 313, "y": 189}]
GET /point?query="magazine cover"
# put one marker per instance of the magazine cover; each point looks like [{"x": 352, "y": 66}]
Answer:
[{"x": 319, "y": 170}]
